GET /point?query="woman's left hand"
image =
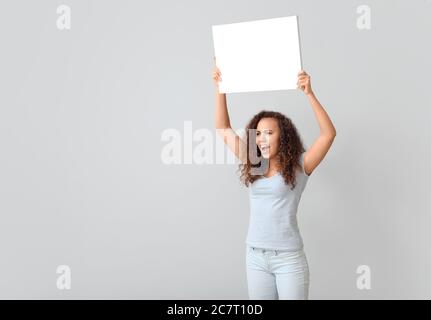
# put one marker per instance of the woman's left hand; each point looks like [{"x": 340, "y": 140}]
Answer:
[{"x": 304, "y": 82}]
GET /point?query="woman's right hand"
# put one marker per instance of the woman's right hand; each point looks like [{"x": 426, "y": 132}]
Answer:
[{"x": 216, "y": 74}]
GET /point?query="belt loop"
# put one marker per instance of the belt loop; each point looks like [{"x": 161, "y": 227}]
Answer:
[
  {"x": 252, "y": 248},
  {"x": 275, "y": 252}
]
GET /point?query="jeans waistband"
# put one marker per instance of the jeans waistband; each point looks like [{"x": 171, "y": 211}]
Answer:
[
  {"x": 263, "y": 250},
  {"x": 276, "y": 251}
]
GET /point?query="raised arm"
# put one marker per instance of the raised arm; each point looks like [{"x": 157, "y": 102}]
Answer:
[
  {"x": 315, "y": 154},
  {"x": 222, "y": 121}
]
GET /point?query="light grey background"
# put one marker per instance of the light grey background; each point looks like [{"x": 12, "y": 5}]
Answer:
[{"x": 82, "y": 182}]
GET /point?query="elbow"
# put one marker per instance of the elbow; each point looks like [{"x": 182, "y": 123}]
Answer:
[{"x": 331, "y": 135}]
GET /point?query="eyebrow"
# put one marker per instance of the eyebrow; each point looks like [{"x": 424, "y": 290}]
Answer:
[{"x": 265, "y": 130}]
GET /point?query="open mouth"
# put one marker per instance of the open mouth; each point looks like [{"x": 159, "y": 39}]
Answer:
[{"x": 264, "y": 148}]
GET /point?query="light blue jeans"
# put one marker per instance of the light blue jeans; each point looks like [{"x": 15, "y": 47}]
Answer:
[{"x": 277, "y": 274}]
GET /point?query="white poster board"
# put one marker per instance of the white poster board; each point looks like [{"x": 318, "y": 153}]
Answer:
[{"x": 258, "y": 55}]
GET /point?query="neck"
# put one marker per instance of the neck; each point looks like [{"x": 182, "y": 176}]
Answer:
[{"x": 274, "y": 165}]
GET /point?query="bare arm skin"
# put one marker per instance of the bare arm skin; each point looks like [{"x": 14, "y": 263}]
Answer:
[
  {"x": 316, "y": 153},
  {"x": 222, "y": 121}
]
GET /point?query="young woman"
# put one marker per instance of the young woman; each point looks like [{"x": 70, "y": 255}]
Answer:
[{"x": 275, "y": 166}]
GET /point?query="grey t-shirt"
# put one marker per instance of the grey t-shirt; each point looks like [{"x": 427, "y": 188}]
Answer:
[{"x": 273, "y": 209}]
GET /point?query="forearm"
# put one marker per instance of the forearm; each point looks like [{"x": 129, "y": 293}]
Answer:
[
  {"x": 222, "y": 120},
  {"x": 325, "y": 123}
]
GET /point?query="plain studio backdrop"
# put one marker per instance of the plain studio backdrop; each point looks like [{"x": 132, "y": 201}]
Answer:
[{"x": 82, "y": 183}]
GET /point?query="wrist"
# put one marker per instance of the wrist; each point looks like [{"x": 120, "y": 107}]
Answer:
[
  {"x": 217, "y": 89},
  {"x": 310, "y": 94}
]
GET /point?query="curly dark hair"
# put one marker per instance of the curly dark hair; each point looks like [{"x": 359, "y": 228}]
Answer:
[{"x": 289, "y": 153}]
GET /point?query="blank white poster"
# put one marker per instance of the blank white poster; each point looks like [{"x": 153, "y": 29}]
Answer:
[{"x": 258, "y": 55}]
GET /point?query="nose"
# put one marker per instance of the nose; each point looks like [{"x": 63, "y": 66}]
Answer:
[{"x": 263, "y": 138}]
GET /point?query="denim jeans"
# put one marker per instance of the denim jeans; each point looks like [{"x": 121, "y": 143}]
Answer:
[{"x": 277, "y": 274}]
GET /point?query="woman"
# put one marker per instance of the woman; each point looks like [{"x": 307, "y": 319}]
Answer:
[{"x": 275, "y": 166}]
